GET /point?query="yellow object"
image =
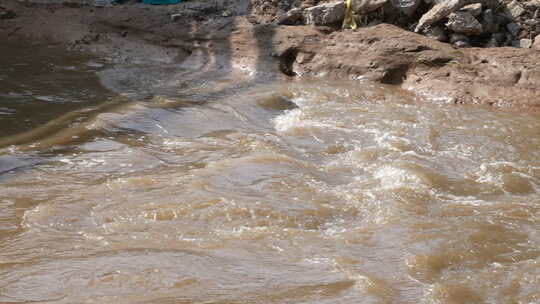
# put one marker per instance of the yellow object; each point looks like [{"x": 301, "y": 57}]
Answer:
[{"x": 349, "y": 16}]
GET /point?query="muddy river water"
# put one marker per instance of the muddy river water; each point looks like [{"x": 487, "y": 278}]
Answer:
[{"x": 145, "y": 184}]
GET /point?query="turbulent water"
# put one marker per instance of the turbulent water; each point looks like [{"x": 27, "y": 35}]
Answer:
[{"x": 180, "y": 188}]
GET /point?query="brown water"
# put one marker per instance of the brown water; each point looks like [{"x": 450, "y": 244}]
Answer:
[{"x": 218, "y": 191}]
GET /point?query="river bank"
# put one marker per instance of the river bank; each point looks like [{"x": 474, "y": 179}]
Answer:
[{"x": 236, "y": 37}]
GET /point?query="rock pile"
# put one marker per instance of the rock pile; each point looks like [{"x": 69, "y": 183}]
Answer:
[
  {"x": 483, "y": 23},
  {"x": 464, "y": 23}
]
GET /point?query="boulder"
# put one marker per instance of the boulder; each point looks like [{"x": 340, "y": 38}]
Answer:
[
  {"x": 465, "y": 23},
  {"x": 325, "y": 14}
]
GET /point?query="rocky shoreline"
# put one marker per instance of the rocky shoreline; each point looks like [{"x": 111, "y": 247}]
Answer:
[{"x": 293, "y": 39}]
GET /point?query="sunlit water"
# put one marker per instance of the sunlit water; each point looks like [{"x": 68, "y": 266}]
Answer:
[{"x": 189, "y": 189}]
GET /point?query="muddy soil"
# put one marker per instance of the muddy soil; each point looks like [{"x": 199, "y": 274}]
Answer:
[{"x": 240, "y": 36}]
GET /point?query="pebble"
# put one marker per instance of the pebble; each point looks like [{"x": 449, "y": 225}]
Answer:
[{"x": 523, "y": 43}]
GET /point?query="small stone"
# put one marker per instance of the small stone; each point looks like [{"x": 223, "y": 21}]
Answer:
[
  {"x": 531, "y": 22},
  {"x": 473, "y": 9},
  {"x": 455, "y": 37},
  {"x": 461, "y": 44},
  {"x": 437, "y": 33},
  {"x": 226, "y": 13},
  {"x": 176, "y": 17},
  {"x": 514, "y": 9},
  {"x": 325, "y": 14},
  {"x": 465, "y": 23},
  {"x": 513, "y": 28},
  {"x": 522, "y": 43}
]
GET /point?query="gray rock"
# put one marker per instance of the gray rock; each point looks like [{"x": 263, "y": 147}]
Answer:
[
  {"x": 489, "y": 23},
  {"x": 526, "y": 43},
  {"x": 176, "y": 17},
  {"x": 366, "y": 6},
  {"x": 325, "y": 14},
  {"x": 455, "y": 37},
  {"x": 437, "y": 33},
  {"x": 522, "y": 43},
  {"x": 514, "y": 9},
  {"x": 440, "y": 11},
  {"x": 513, "y": 28},
  {"x": 291, "y": 17},
  {"x": 473, "y": 9},
  {"x": 465, "y": 23},
  {"x": 461, "y": 44}
]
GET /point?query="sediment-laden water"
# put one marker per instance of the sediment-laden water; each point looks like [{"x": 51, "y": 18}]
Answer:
[{"x": 183, "y": 188}]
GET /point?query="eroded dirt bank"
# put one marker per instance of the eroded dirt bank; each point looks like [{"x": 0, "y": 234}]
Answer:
[{"x": 227, "y": 35}]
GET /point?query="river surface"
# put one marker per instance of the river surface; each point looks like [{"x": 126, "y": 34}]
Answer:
[{"x": 146, "y": 184}]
